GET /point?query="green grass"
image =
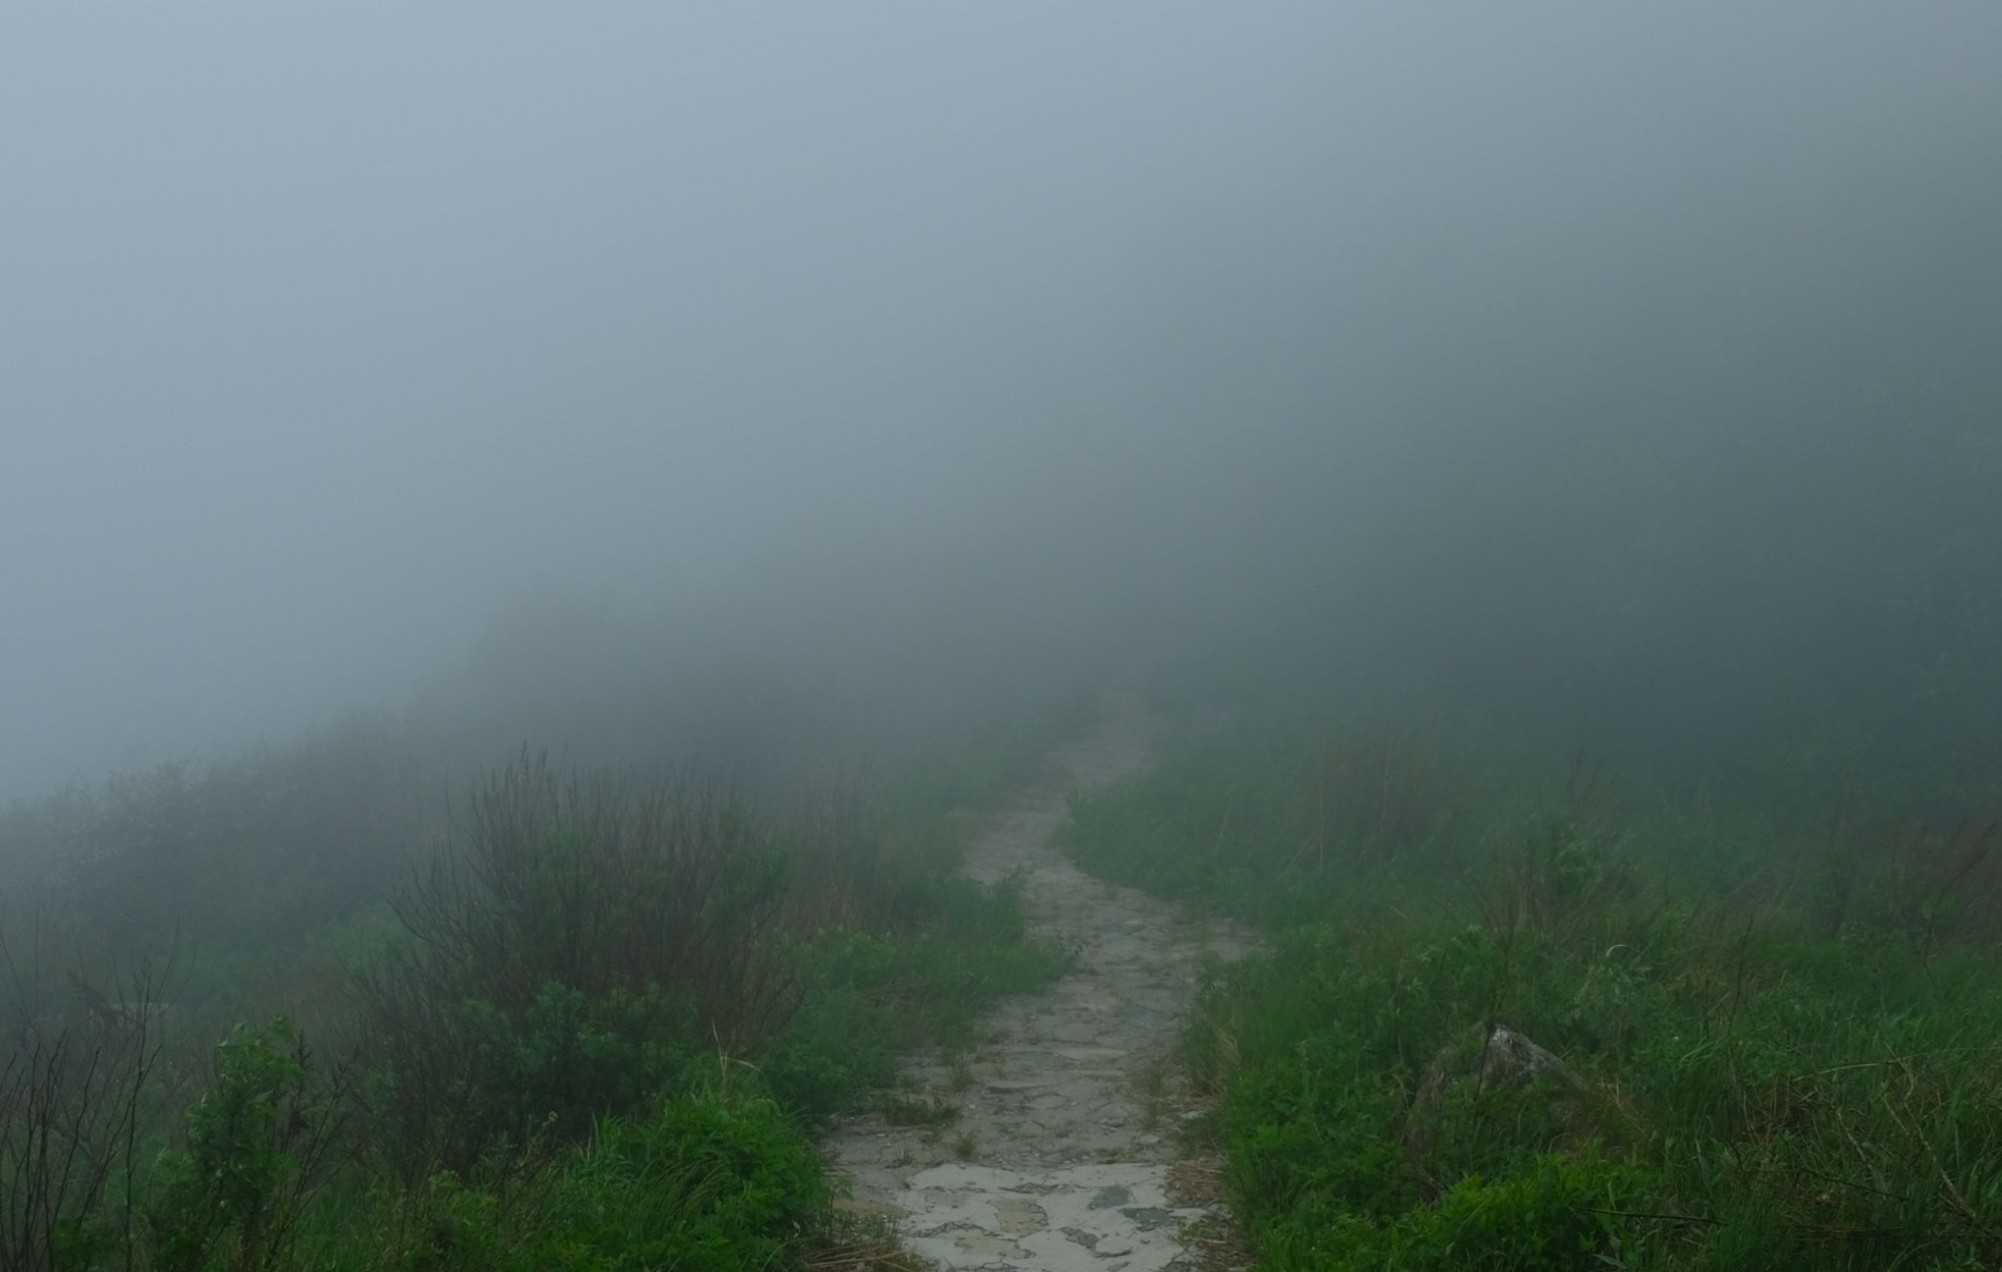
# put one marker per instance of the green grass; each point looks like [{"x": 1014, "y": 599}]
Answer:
[
  {"x": 713, "y": 1179},
  {"x": 869, "y": 997},
  {"x": 602, "y": 1032},
  {"x": 1764, "y": 1079}
]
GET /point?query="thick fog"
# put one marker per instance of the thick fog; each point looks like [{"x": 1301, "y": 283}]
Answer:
[{"x": 1623, "y": 376}]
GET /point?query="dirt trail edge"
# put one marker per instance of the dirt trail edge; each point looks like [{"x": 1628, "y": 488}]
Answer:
[{"x": 1068, "y": 1109}]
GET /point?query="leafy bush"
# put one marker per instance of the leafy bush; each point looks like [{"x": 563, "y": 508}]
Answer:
[
  {"x": 254, "y": 1144},
  {"x": 567, "y": 957},
  {"x": 712, "y": 1181},
  {"x": 717, "y": 1180},
  {"x": 539, "y": 1020}
]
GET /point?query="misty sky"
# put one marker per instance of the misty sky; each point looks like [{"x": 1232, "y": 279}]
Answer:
[{"x": 325, "y": 336}]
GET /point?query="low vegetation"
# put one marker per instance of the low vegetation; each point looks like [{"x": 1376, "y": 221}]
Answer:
[
  {"x": 568, "y": 1021},
  {"x": 1508, "y": 1023}
]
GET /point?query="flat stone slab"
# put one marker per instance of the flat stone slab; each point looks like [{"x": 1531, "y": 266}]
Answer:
[
  {"x": 1083, "y": 1183},
  {"x": 1111, "y": 1216},
  {"x": 1088, "y": 1055}
]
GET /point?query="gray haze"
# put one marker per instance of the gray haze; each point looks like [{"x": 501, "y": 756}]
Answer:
[{"x": 330, "y": 340}]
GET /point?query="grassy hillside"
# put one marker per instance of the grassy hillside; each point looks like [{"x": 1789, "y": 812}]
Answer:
[
  {"x": 314, "y": 1009},
  {"x": 1506, "y": 1022}
]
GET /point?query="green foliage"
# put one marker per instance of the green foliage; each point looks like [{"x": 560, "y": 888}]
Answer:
[
  {"x": 536, "y": 1076},
  {"x": 1560, "y": 1212},
  {"x": 714, "y": 1178},
  {"x": 1277, "y": 838},
  {"x": 561, "y": 1060},
  {"x": 720, "y": 1179},
  {"x": 868, "y": 997},
  {"x": 232, "y": 1192},
  {"x": 567, "y": 957},
  {"x": 240, "y": 860},
  {"x": 1758, "y": 1085}
]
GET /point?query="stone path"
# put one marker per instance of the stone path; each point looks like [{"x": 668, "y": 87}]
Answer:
[{"x": 1065, "y": 1133}]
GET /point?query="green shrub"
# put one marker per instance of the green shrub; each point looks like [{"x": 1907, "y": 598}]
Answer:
[
  {"x": 538, "y": 1022},
  {"x": 234, "y": 1192},
  {"x": 867, "y": 997},
  {"x": 566, "y": 957},
  {"x": 1757, "y": 1084},
  {"x": 717, "y": 1180}
]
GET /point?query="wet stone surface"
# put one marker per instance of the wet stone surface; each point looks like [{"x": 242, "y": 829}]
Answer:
[{"x": 1059, "y": 1156}]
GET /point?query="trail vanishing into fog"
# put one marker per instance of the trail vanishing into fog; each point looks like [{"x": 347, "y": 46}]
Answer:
[{"x": 1064, "y": 1153}]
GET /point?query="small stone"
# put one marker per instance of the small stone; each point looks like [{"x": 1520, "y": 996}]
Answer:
[
  {"x": 1089, "y": 1054},
  {"x": 1019, "y": 1218}
]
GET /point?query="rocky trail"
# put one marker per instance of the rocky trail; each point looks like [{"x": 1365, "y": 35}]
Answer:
[{"x": 1064, "y": 1151}]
